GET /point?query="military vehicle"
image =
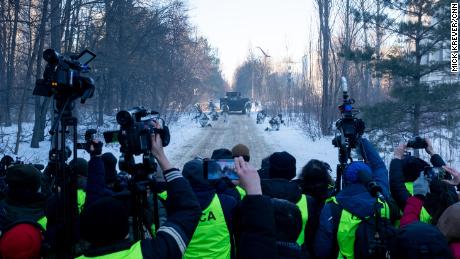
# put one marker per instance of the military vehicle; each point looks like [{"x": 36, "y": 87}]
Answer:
[{"x": 235, "y": 102}]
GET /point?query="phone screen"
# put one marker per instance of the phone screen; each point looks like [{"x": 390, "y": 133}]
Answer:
[{"x": 220, "y": 168}]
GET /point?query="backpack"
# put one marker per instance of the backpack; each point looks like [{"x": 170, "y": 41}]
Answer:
[{"x": 371, "y": 241}]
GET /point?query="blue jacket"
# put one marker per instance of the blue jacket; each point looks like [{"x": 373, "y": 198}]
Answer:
[{"x": 354, "y": 198}]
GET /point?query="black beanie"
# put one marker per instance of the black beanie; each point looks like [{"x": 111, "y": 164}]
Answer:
[
  {"x": 288, "y": 220},
  {"x": 282, "y": 165},
  {"x": 221, "y": 153},
  {"x": 82, "y": 166},
  {"x": 412, "y": 166},
  {"x": 23, "y": 177},
  {"x": 104, "y": 222},
  {"x": 193, "y": 172},
  {"x": 110, "y": 165}
]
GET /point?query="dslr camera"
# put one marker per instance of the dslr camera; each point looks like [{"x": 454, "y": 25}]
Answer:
[
  {"x": 135, "y": 131},
  {"x": 417, "y": 143},
  {"x": 62, "y": 76}
]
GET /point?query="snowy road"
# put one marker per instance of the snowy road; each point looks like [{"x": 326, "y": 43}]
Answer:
[{"x": 238, "y": 129}]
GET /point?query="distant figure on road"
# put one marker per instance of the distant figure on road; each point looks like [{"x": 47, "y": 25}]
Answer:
[
  {"x": 225, "y": 110},
  {"x": 261, "y": 115},
  {"x": 275, "y": 123},
  {"x": 247, "y": 107}
]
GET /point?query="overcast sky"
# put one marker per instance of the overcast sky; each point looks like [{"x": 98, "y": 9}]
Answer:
[{"x": 234, "y": 26}]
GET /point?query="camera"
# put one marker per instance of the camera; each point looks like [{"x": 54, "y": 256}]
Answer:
[
  {"x": 434, "y": 173},
  {"x": 417, "y": 143},
  {"x": 135, "y": 131},
  {"x": 350, "y": 127},
  {"x": 62, "y": 76}
]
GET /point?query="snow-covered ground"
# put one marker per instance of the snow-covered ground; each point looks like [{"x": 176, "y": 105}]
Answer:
[
  {"x": 181, "y": 132},
  {"x": 293, "y": 140},
  {"x": 188, "y": 140}
]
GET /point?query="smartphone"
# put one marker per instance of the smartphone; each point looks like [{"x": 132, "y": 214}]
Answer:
[{"x": 220, "y": 168}]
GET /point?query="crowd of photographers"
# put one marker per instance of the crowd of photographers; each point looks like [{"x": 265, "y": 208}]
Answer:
[{"x": 408, "y": 211}]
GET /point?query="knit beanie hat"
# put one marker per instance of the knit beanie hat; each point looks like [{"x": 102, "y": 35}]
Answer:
[
  {"x": 448, "y": 223},
  {"x": 351, "y": 175},
  {"x": 24, "y": 177},
  {"x": 82, "y": 166},
  {"x": 193, "y": 172},
  {"x": 412, "y": 166},
  {"x": 288, "y": 220},
  {"x": 105, "y": 221},
  {"x": 110, "y": 165},
  {"x": 21, "y": 241},
  {"x": 221, "y": 153},
  {"x": 282, "y": 165},
  {"x": 241, "y": 150}
]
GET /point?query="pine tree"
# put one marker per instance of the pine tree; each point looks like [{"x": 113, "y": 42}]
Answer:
[{"x": 423, "y": 94}]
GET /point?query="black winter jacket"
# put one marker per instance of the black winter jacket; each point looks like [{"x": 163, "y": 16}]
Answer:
[{"x": 258, "y": 236}]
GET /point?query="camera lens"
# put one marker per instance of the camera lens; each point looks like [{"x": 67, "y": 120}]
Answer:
[{"x": 124, "y": 118}]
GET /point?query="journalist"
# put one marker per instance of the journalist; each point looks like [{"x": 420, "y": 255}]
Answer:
[{"x": 104, "y": 223}]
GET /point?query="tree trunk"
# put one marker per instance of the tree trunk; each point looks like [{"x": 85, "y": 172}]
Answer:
[
  {"x": 41, "y": 107},
  {"x": 324, "y": 8},
  {"x": 10, "y": 75}
]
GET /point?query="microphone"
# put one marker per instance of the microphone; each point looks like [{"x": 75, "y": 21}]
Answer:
[{"x": 372, "y": 186}]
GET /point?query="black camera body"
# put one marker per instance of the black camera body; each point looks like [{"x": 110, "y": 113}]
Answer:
[
  {"x": 417, "y": 143},
  {"x": 135, "y": 132},
  {"x": 62, "y": 76},
  {"x": 89, "y": 138}
]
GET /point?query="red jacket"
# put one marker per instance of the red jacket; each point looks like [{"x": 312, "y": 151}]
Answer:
[{"x": 411, "y": 211}]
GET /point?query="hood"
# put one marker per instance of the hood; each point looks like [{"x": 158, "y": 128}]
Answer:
[
  {"x": 356, "y": 199},
  {"x": 204, "y": 194},
  {"x": 11, "y": 212},
  {"x": 281, "y": 189}
]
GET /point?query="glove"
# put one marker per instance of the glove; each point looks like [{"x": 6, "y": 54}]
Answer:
[{"x": 421, "y": 185}]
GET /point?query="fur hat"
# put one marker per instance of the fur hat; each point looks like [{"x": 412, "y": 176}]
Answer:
[{"x": 241, "y": 150}]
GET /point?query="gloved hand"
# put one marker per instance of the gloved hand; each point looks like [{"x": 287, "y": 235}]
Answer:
[
  {"x": 94, "y": 148},
  {"x": 421, "y": 185}
]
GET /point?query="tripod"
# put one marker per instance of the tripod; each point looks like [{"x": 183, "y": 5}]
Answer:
[
  {"x": 139, "y": 185},
  {"x": 67, "y": 186}
]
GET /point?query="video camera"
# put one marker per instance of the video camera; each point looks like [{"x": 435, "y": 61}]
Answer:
[
  {"x": 62, "y": 76},
  {"x": 7, "y": 162},
  {"x": 350, "y": 130},
  {"x": 134, "y": 137},
  {"x": 350, "y": 127},
  {"x": 135, "y": 132}
]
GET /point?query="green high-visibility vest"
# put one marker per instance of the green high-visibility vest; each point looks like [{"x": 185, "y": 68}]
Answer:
[
  {"x": 81, "y": 197},
  {"x": 348, "y": 225},
  {"x": 211, "y": 238},
  {"x": 241, "y": 191},
  {"x": 134, "y": 252},
  {"x": 303, "y": 207},
  {"x": 163, "y": 195},
  {"x": 424, "y": 215},
  {"x": 42, "y": 222}
]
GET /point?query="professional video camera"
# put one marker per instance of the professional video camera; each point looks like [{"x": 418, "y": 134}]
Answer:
[
  {"x": 136, "y": 128},
  {"x": 64, "y": 80},
  {"x": 350, "y": 130},
  {"x": 62, "y": 76}
]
